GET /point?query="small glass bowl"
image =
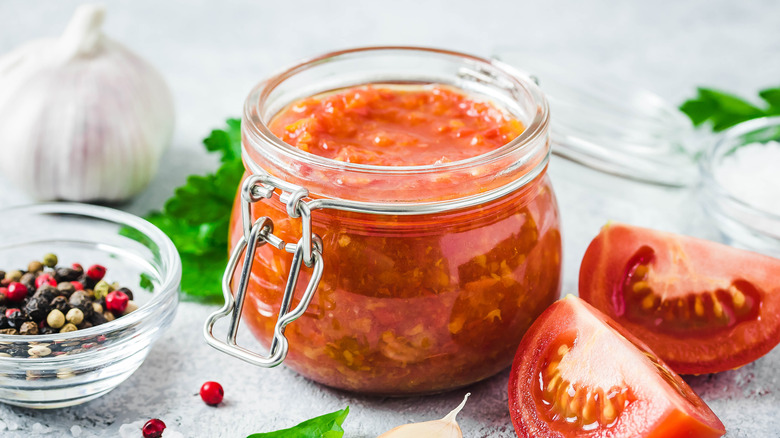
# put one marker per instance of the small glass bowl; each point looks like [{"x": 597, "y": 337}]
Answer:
[
  {"x": 86, "y": 364},
  {"x": 734, "y": 195}
]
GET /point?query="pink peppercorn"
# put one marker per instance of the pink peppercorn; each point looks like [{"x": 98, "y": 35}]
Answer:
[{"x": 116, "y": 301}]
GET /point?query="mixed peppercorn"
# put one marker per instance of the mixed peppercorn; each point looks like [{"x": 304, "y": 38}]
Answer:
[{"x": 47, "y": 298}]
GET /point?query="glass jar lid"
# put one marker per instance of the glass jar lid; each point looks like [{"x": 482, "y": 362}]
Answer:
[{"x": 612, "y": 126}]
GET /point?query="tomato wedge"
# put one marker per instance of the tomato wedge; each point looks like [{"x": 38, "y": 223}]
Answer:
[
  {"x": 703, "y": 307},
  {"x": 577, "y": 373}
]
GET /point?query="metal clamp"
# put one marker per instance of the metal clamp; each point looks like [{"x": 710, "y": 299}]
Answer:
[{"x": 307, "y": 251}]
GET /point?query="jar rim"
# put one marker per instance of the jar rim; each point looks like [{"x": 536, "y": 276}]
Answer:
[{"x": 261, "y": 132}]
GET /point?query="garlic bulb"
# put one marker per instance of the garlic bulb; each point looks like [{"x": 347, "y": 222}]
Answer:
[
  {"x": 81, "y": 117},
  {"x": 447, "y": 427}
]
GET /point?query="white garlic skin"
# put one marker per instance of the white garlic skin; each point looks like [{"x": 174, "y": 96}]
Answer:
[
  {"x": 81, "y": 117},
  {"x": 447, "y": 427}
]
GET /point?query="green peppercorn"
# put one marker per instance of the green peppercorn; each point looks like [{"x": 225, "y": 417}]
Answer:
[
  {"x": 75, "y": 316},
  {"x": 68, "y": 328},
  {"x": 102, "y": 288},
  {"x": 50, "y": 260},
  {"x": 109, "y": 316},
  {"x": 14, "y": 275},
  {"x": 55, "y": 319},
  {"x": 35, "y": 266},
  {"x": 97, "y": 308}
]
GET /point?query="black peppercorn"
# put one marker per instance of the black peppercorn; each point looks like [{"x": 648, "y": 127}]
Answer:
[
  {"x": 79, "y": 299},
  {"x": 28, "y": 280},
  {"x": 36, "y": 308},
  {"x": 47, "y": 331},
  {"x": 4, "y": 321},
  {"x": 66, "y": 274},
  {"x": 127, "y": 292},
  {"x": 16, "y": 319},
  {"x": 47, "y": 292},
  {"x": 87, "y": 282},
  {"x": 97, "y": 318},
  {"x": 66, "y": 288},
  {"x": 60, "y": 303}
]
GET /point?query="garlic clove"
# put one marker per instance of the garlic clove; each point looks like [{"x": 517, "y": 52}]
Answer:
[
  {"x": 447, "y": 427},
  {"x": 83, "y": 35}
]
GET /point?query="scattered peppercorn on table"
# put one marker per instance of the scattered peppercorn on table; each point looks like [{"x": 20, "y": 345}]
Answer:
[{"x": 212, "y": 56}]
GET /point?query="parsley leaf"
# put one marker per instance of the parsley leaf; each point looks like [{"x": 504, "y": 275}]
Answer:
[
  {"x": 197, "y": 216},
  {"x": 325, "y": 426},
  {"x": 228, "y": 141},
  {"x": 724, "y": 110}
]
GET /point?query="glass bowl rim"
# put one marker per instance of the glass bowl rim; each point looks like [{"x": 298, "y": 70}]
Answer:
[
  {"x": 719, "y": 149},
  {"x": 169, "y": 259}
]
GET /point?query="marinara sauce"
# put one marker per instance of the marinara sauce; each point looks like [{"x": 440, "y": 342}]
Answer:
[{"x": 416, "y": 303}]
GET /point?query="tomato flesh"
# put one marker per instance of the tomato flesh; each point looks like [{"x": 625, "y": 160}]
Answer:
[
  {"x": 701, "y": 306},
  {"x": 577, "y": 373}
]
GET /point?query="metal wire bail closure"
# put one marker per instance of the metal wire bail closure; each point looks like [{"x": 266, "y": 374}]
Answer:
[{"x": 307, "y": 251}]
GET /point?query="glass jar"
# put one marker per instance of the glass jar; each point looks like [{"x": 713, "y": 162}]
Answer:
[{"x": 430, "y": 275}]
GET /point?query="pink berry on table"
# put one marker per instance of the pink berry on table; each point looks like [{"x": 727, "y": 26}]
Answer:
[
  {"x": 96, "y": 272},
  {"x": 116, "y": 301},
  {"x": 77, "y": 285},
  {"x": 16, "y": 291},
  {"x": 212, "y": 393},
  {"x": 45, "y": 279},
  {"x": 153, "y": 428},
  {"x": 10, "y": 312}
]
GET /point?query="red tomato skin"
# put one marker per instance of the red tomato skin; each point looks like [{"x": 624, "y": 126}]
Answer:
[
  {"x": 529, "y": 424},
  {"x": 603, "y": 269}
]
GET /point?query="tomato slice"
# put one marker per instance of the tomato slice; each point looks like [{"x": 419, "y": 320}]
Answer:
[
  {"x": 702, "y": 306},
  {"x": 577, "y": 373}
]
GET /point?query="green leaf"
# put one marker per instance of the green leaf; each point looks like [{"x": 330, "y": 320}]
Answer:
[
  {"x": 227, "y": 142},
  {"x": 197, "y": 216},
  {"x": 325, "y": 426},
  {"x": 207, "y": 198},
  {"x": 722, "y": 110},
  {"x": 772, "y": 97},
  {"x": 203, "y": 282},
  {"x": 146, "y": 282}
]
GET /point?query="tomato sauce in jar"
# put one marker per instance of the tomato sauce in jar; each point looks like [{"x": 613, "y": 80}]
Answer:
[{"x": 436, "y": 291}]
